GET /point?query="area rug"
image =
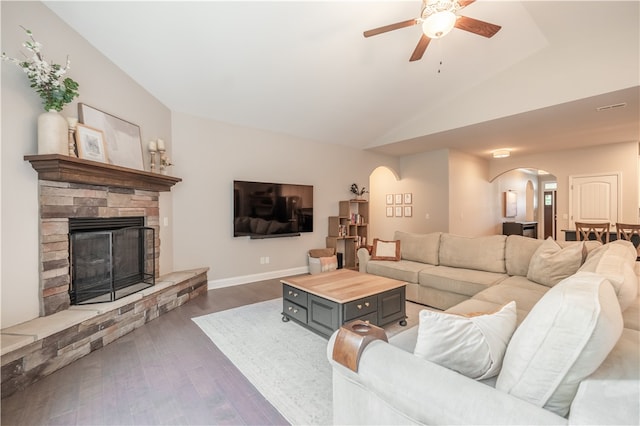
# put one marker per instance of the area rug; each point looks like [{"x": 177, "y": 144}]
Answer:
[{"x": 284, "y": 361}]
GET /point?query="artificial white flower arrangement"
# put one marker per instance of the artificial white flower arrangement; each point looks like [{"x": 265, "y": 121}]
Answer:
[{"x": 45, "y": 77}]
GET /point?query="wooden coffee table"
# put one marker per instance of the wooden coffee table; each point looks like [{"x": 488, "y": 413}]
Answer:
[{"x": 323, "y": 302}]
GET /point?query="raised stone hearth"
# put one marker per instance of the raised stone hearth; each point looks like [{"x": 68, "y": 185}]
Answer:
[
  {"x": 39, "y": 347},
  {"x": 74, "y": 188}
]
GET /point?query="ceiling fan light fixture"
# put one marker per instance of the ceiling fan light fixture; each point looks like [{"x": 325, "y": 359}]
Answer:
[
  {"x": 501, "y": 153},
  {"x": 439, "y": 24}
]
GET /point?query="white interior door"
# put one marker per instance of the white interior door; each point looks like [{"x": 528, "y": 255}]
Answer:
[{"x": 594, "y": 198}]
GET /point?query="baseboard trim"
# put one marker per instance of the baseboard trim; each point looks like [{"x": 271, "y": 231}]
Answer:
[{"x": 245, "y": 279}]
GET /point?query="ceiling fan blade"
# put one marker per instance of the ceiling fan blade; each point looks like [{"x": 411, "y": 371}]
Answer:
[
  {"x": 465, "y": 3},
  {"x": 476, "y": 26},
  {"x": 390, "y": 27},
  {"x": 420, "y": 48}
]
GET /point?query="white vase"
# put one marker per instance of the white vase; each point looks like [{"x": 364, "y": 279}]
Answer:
[{"x": 53, "y": 133}]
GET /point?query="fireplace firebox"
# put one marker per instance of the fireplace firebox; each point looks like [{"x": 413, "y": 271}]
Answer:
[{"x": 110, "y": 258}]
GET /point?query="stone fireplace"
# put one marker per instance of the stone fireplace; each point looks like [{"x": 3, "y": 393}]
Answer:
[
  {"x": 74, "y": 190},
  {"x": 71, "y": 188}
]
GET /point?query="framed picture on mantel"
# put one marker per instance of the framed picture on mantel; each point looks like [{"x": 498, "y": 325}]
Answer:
[
  {"x": 90, "y": 143},
  {"x": 122, "y": 138}
]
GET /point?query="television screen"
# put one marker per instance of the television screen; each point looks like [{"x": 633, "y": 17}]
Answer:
[{"x": 266, "y": 210}]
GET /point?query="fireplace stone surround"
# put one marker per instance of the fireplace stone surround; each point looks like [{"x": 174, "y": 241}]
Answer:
[{"x": 72, "y": 187}]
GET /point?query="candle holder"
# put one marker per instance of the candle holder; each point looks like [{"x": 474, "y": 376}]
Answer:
[
  {"x": 72, "y": 121},
  {"x": 152, "y": 162},
  {"x": 163, "y": 167}
]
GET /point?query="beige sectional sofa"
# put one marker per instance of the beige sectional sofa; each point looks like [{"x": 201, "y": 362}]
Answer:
[{"x": 576, "y": 337}]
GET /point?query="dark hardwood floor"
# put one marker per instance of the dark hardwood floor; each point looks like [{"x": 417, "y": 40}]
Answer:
[{"x": 164, "y": 373}]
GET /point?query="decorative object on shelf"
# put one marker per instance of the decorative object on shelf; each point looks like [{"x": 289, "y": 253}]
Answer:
[
  {"x": 359, "y": 192},
  {"x": 124, "y": 146},
  {"x": 164, "y": 158},
  {"x": 45, "y": 76},
  {"x": 53, "y": 133},
  {"x": 73, "y": 122},
  {"x": 91, "y": 144},
  {"x": 55, "y": 94},
  {"x": 153, "y": 148}
]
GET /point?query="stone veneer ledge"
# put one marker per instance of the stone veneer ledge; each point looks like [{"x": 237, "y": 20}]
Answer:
[{"x": 39, "y": 347}]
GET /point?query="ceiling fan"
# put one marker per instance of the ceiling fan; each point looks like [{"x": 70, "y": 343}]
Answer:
[{"x": 438, "y": 17}]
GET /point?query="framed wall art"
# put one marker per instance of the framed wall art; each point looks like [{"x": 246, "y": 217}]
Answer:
[
  {"x": 122, "y": 139},
  {"x": 389, "y": 199},
  {"x": 408, "y": 211},
  {"x": 408, "y": 198},
  {"x": 398, "y": 211},
  {"x": 389, "y": 211},
  {"x": 398, "y": 198},
  {"x": 90, "y": 143}
]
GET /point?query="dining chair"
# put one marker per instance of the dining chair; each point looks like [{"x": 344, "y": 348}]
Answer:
[
  {"x": 600, "y": 230},
  {"x": 626, "y": 231}
]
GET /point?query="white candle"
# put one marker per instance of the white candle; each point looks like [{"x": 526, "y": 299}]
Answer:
[
  {"x": 160, "y": 145},
  {"x": 152, "y": 146}
]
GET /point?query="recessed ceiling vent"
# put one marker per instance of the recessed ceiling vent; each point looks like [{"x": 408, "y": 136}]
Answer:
[{"x": 614, "y": 106}]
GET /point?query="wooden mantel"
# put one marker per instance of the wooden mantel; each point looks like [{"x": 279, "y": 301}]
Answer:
[{"x": 62, "y": 168}]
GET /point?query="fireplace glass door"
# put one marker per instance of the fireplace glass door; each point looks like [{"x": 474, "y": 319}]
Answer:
[{"x": 109, "y": 264}]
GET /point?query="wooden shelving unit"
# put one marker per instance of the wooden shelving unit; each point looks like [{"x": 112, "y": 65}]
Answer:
[{"x": 349, "y": 230}]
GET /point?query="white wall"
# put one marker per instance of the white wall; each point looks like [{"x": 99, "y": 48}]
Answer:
[
  {"x": 473, "y": 209},
  {"x": 102, "y": 85},
  {"x": 210, "y": 155}
]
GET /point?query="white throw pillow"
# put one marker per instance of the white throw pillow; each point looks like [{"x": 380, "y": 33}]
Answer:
[
  {"x": 472, "y": 346},
  {"x": 563, "y": 339},
  {"x": 616, "y": 262},
  {"x": 551, "y": 263},
  {"x": 385, "y": 250}
]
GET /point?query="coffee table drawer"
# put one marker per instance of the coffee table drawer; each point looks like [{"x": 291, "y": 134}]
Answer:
[
  {"x": 360, "y": 307},
  {"x": 294, "y": 294},
  {"x": 295, "y": 311}
]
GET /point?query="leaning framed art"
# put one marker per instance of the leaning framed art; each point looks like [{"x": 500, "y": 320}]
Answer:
[
  {"x": 122, "y": 138},
  {"x": 90, "y": 143}
]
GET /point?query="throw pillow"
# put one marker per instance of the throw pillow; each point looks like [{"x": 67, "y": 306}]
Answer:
[
  {"x": 551, "y": 263},
  {"x": 616, "y": 261},
  {"x": 385, "y": 250},
  {"x": 473, "y": 346},
  {"x": 563, "y": 339}
]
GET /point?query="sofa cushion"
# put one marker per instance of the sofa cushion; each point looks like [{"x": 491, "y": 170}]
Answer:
[
  {"x": 616, "y": 262},
  {"x": 419, "y": 247},
  {"x": 403, "y": 270},
  {"x": 565, "y": 337},
  {"x": 518, "y": 253},
  {"x": 519, "y": 289},
  {"x": 551, "y": 263},
  {"x": 458, "y": 280},
  {"x": 479, "y": 253},
  {"x": 473, "y": 346},
  {"x": 385, "y": 250}
]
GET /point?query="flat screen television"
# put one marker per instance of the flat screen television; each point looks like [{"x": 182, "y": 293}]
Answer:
[{"x": 268, "y": 210}]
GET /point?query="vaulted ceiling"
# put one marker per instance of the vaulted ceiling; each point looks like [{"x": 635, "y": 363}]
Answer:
[{"x": 304, "y": 68}]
